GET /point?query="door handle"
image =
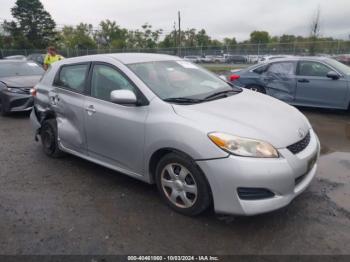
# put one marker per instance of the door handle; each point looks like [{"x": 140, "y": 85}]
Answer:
[
  {"x": 303, "y": 81},
  {"x": 54, "y": 99},
  {"x": 90, "y": 109}
]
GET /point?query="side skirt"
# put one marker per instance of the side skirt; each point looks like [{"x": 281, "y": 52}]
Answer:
[{"x": 101, "y": 163}]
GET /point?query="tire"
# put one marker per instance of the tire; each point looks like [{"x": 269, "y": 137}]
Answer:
[
  {"x": 49, "y": 139},
  {"x": 185, "y": 188},
  {"x": 3, "y": 111},
  {"x": 256, "y": 88}
]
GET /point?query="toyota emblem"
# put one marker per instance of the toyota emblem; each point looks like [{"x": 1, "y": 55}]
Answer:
[{"x": 301, "y": 133}]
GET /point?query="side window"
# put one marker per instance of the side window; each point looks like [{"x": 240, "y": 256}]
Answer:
[
  {"x": 72, "y": 77},
  {"x": 105, "y": 79},
  {"x": 309, "y": 68},
  {"x": 282, "y": 68},
  {"x": 260, "y": 69}
]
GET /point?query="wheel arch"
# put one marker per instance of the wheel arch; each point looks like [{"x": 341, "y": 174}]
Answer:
[
  {"x": 47, "y": 114},
  {"x": 160, "y": 153},
  {"x": 157, "y": 156}
]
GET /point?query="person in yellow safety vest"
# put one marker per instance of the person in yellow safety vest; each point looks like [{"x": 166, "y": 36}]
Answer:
[{"x": 51, "y": 57}]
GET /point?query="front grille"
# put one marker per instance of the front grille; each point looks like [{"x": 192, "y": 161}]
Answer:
[
  {"x": 246, "y": 193},
  {"x": 301, "y": 145},
  {"x": 26, "y": 90}
]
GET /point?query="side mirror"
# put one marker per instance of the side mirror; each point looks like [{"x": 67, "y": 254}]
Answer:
[
  {"x": 123, "y": 97},
  {"x": 333, "y": 75}
]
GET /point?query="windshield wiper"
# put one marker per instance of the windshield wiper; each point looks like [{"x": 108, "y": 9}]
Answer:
[
  {"x": 223, "y": 93},
  {"x": 184, "y": 100}
]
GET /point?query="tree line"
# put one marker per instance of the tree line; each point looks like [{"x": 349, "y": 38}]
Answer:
[{"x": 32, "y": 27}]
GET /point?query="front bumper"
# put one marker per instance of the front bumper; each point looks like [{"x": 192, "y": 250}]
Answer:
[
  {"x": 16, "y": 102},
  {"x": 279, "y": 176}
]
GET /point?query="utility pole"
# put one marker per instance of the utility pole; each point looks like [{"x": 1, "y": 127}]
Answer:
[
  {"x": 179, "y": 14},
  {"x": 175, "y": 38}
]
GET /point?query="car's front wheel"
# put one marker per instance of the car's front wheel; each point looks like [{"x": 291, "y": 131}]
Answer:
[
  {"x": 49, "y": 138},
  {"x": 182, "y": 185},
  {"x": 3, "y": 111}
]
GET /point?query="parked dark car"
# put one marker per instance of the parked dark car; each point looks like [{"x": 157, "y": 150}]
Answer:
[
  {"x": 303, "y": 81},
  {"x": 17, "y": 78},
  {"x": 236, "y": 59},
  {"x": 37, "y": 58}
]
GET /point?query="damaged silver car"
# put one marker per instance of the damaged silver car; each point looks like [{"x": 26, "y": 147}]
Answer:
[{"x": 166, "y": 121}]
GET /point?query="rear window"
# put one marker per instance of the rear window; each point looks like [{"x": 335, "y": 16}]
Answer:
[
  {"x": 72, "y": 77},
  {"x": 282, "y": 68},
  {"x": 10, "y": 69},
  {"x": 261, "y": 69}
]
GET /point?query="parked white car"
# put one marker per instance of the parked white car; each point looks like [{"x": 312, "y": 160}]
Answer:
[
  {"x": 193, "y": 59},
  {"x": 252, "y": 59},
  {"x": 265, "y": 59}
]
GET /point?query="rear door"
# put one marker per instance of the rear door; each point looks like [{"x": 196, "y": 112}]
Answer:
[
  {"x": 67, "y": 99},
  {"x": 280, "y": 81},
  {"x": 115, "y": 133},
  {"x": 314, "y": 88}
]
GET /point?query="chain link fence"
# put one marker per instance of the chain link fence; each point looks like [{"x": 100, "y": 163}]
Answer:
[{"x": 330, "y": 48}]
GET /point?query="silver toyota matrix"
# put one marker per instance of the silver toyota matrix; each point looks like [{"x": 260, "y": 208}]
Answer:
[{"x": 164, "y": 120}]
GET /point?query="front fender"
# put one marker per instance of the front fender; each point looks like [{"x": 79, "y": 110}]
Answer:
[{"x": 166, "y": 130}]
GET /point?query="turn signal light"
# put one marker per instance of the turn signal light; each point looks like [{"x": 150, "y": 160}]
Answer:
[{"x": 33, "y": 91}]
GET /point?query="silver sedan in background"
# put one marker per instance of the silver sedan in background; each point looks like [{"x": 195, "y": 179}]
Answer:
[{"x": 164, "y": 120}]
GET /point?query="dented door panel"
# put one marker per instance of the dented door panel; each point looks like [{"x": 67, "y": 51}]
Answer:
[
  {"x": 70, "y": 120},
  {"x": 280, "y": 81}
]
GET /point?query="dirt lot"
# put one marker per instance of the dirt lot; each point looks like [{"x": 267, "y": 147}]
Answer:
[{"x": 70, "y": 206}]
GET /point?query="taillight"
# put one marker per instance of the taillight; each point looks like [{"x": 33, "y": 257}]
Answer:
[
  {"x": 33, "y": 91},
  {"x": 234, "y": 77}
]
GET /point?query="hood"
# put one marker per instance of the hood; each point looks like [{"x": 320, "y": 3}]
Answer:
[
  {"x": 21, "y": 81},
  {"x": 251, "y": 115}
]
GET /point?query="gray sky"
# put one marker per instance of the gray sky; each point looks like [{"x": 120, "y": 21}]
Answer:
[{"x": 221, "y": 18}]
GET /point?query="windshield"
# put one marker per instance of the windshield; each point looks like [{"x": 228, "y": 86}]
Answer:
[
  {"x": 179, "y": 79},
  {"x": 9, "y": 69},
  {"x": 340, "y": 66}
]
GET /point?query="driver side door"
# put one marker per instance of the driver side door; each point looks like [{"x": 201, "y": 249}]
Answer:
[
  {"x": 115, "y": 132},
  {"x": 314, "y": 88}
]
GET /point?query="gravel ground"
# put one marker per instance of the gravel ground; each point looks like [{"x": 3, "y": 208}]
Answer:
[{"x": 71, "y": 206}]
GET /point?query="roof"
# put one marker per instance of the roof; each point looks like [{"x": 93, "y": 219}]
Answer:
[
  {"x": 13, "y": 61},
  {"x": 132, "y": 58},
  {"x": 319, "y": 58},
  {"x": 126, "y": 58}
]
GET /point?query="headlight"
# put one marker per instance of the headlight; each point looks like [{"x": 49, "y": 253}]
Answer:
[
  {"x": 14, "y": 90},
  {"x": 243, "y": 146}
]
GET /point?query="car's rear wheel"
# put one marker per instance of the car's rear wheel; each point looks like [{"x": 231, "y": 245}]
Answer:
[
  {"x": 182, "y": 185},
  {"x": 256, "y": 88},
  {"x": 49, "y": 138}
]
